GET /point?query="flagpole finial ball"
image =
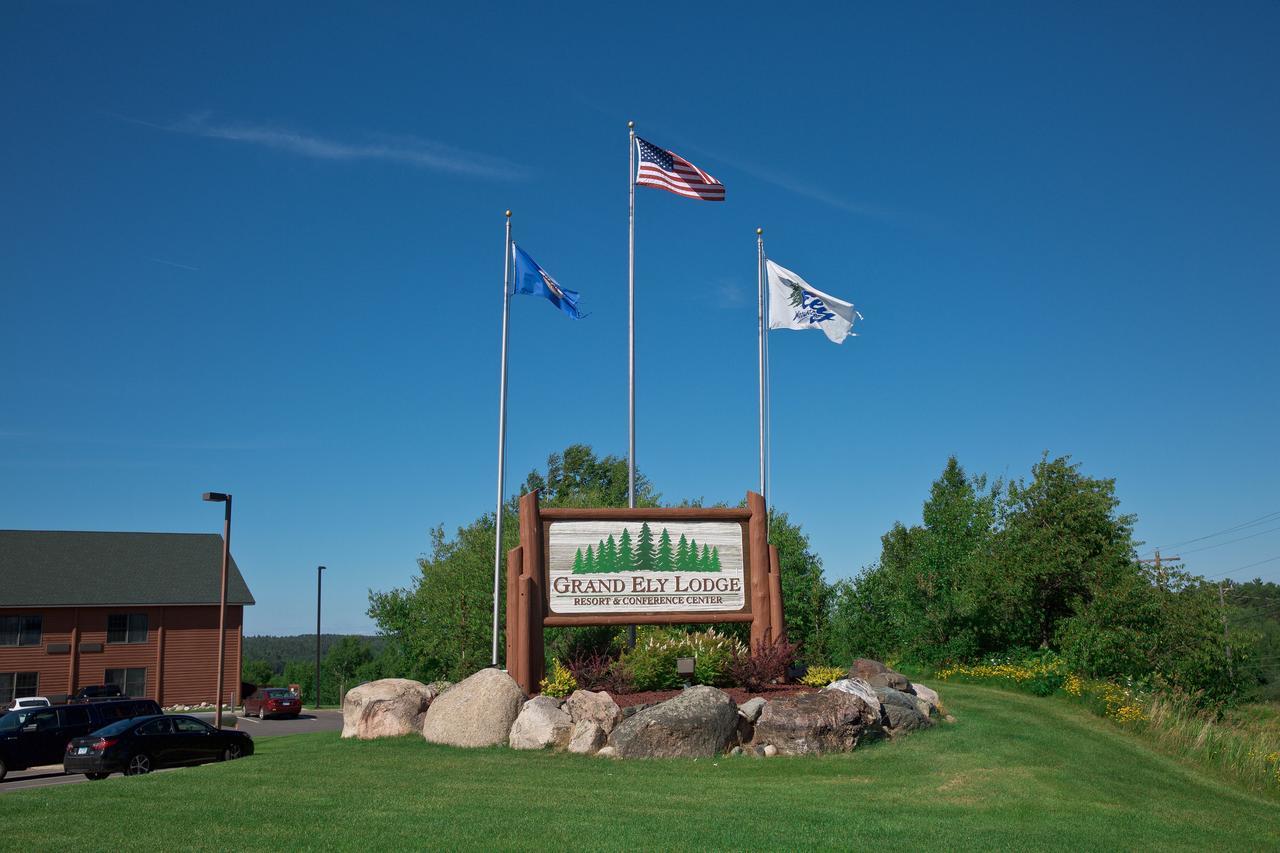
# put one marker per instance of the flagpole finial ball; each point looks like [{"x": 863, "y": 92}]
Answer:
[
  {"x": 631, "y": 124},
  {"x": 758, "y": 230},
  {"x": 508, "y": 214}
]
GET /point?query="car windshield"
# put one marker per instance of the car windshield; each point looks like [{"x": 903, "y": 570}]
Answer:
[
  {"x": 119, "y": 727},
  {"x": 278, "y": 693}
]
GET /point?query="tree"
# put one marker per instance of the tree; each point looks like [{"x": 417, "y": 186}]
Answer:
[
  {"x": 704, "y": 561},
  {"x": 644, "y": 549},
  {"x": 626, "y": 553},
  {"x": 664, "y": 561},
  {"x": 256, "y": 672},
  {"x": 714, "y": 564},
  {"x": 682, "y": 554},
  {"x": 345, "y": 659},
  {"x": 805, "y": 594},
  {"x": 589, "y": 562},
  {"x": 578, "y": 562},
  {"x": 609, "y": 555}
]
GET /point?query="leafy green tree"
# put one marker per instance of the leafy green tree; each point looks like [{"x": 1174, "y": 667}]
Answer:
[
  {"x": 644, "y": 549},
  {"x": 256, "y": 672},
  {"x": 664, "y": 561},
  {"x": 805, "y": 594},
  {"x": 344, "y": 660}
]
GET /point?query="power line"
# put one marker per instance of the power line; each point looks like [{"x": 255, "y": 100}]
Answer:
[
  {"x": 1271, "y": 516},
  {"x": 1230, "y": 541},
  {"x": 1242, "y": 568}
]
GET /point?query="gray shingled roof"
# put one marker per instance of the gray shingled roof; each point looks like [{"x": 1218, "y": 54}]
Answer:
[{"x": 51, "y": 568}]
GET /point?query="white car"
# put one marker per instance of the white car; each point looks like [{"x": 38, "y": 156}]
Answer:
[{"x": 29, "y": 702}]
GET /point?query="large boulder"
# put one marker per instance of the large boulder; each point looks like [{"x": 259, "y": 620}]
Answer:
[
  {"x": 928, "y": 694},
  {"x": 889, "y": 678},
  {"x": 599, "y": 708},
  {"x": 864, "y": 668},
  {"x": 904, "y": 720},
  {"x": 860, "y": 688},
  {"x": 751, "y": 708},
  {"x": 826, "y": 721},
  {"x": 587, "y": 737},
  {"x": 385, "y": 708},
  {"x": 477, "y": 711},
  {"x": 541, "y": 723},
  {"x": 889, "y": 696},
  {"x": 698, "y": 723}
]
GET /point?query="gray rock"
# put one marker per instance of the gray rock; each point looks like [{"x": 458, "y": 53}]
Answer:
[
  {"x": 607, "y": 752},
  {"x": 632, "y": 710},
  {"x": 770, "y": 750},
  {"x": 751, "y": 709},
  {"x": 889, "y": 678},
  {"x": 860, "y": 688},
  {"x": 926, "y": 708},
  {"x": 864, "y": 668},
  {"x": 477, "y": 711},
  {"x": 826, "y": 721},
  {"x": 948, "y": 719},
  {"x": 928, "y": 694},
  {"x": 587, "y": 737},
  {"x": 385, "y": 708},
  {"x": 583, "y": 705},
  {"x": 541, "y": 723},
  {"x": 902, "y": 721},
  {"x": 698, "y": 723},
  {"x": 737, "y": 750},
  {"x": 889, "y": 696}
]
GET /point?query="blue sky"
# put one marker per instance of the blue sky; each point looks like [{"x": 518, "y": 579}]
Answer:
[{"x": 259, "y": 250}]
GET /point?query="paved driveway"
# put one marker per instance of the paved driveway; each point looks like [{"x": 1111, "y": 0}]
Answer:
[{"x": 304, "y": 723}]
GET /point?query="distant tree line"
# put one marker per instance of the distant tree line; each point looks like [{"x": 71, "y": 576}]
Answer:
[{"x": 346, "y": 660}]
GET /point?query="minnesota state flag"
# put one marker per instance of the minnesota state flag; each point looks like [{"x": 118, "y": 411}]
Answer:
[{"x": 533, "y": 280}]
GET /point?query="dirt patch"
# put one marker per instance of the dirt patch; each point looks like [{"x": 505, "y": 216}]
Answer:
[{"x": 738, "y": 695}]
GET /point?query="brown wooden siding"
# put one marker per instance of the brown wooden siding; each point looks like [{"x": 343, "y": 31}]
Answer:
[{"x": 181, "y": 671}]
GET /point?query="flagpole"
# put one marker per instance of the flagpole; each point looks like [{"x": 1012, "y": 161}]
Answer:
[
  {"x": 760, "y": 316},
  {"x": 502, "y": 437},
  {"x": 631, "y": 324},
  {"x": 631, "y": 290}
]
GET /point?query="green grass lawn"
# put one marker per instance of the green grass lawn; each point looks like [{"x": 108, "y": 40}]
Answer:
[{"x": 1016, "y": 772}]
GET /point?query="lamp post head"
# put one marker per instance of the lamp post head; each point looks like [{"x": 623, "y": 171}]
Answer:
[
  {"x": 216, "y": 497},
  {"x": 321, "y": 568}
]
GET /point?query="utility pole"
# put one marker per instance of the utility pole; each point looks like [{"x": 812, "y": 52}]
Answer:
[
  {"x": 1156, "y": 561},
  {"x": 1226, "y": 637}
]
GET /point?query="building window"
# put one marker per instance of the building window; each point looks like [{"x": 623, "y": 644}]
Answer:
[
  {"x": 17, "y": 684},
  {"x": 127, "y": 628},
  {"x": 132, "y": 681},
  {"x": 20, "y": 630}
]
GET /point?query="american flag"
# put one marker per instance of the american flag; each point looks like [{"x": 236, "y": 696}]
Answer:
[{"x": 669, "y": 171}]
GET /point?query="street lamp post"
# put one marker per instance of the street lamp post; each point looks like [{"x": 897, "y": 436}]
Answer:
[
  {"x": 219, "y": 497},
  {"x": 319, "y": 576}
]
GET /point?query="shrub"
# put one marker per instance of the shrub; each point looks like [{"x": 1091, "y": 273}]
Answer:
[
  {"x": 821, "y": 676},
  {"x": 763, "y": 665},
  {"x": 652, "y": 663},
  {"x": 599, "y": 671},
  {"x": 559, "y": 682}
]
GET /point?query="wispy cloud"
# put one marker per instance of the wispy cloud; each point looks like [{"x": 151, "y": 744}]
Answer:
[
  {"x": 406, "y": 150},
  {"x": 173, "y": 264}
]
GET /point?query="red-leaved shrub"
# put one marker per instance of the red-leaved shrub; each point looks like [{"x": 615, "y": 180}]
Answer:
[{"x": 763, "y": 665}]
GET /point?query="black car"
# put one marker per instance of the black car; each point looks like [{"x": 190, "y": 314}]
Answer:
[
  {"x": 143, "y": 744},
  {"x": 95, "y": 692},
  {"x": 32, "y": 737}
]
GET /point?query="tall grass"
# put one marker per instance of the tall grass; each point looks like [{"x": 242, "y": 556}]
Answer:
[{"x": 1243, "y": 743}]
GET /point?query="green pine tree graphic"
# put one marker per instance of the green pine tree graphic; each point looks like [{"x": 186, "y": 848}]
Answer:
[{"x": 664, "y": 561}]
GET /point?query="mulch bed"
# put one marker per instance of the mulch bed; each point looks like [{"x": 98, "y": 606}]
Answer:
[{"x": 738, "y": 695}]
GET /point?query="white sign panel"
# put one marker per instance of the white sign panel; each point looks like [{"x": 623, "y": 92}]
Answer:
[{"x": 645, "y": 566}]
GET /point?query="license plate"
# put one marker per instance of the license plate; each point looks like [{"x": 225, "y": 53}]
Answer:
[{"x": 82, "y": 750}]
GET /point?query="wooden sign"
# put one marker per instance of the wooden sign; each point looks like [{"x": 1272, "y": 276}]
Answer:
[
  {"x": 637, "y": 566},
  {"x": 653, "y": 566}
]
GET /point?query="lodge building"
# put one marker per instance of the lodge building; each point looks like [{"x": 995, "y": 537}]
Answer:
[{"x": 137, "y": 610}]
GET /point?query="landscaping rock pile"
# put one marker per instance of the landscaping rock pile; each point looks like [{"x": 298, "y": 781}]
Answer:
[{"x": 488, "y": 709}]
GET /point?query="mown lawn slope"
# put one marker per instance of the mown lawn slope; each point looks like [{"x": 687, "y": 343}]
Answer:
[{"x": 1016, "y": 772}]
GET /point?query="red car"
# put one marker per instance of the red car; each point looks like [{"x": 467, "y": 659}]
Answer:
[{"x": 272, "y": 702}]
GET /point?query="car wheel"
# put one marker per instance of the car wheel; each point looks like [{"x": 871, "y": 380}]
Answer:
[
  {"x": 138, "y": 765},
  {"x": 94, "y": 777},
  {"x": 3, "y": 770},
  {"x": 232, "y": 752}
]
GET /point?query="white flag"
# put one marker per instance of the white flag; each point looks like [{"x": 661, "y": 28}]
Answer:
[{"x": 796, "y": 304}]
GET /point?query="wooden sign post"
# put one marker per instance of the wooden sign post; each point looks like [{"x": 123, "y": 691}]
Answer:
[{"x": 638, "y": 566}]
